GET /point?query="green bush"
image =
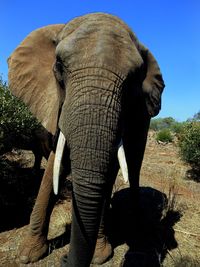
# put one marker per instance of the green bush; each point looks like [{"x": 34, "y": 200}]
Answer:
[
  {"x": 190, "y": 143},
  {"x": 14, "y": 115},
  {"x": 164, "y": 135},
  {"x": 177, "y": 128}
]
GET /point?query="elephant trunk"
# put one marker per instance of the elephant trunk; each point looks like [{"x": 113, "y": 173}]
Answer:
[
  {"x": 59, "y": 154},
  {"x": 93, "y": 132}
]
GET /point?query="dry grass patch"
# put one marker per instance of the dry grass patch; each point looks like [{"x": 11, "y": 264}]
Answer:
[{"x": 164, "y": 170}]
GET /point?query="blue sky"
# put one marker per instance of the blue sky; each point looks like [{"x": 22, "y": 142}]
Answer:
[{"x": 169, "y": 28}]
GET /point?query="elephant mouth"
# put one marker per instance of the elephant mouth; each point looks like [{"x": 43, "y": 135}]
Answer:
[{"x": 59, "y": 154}]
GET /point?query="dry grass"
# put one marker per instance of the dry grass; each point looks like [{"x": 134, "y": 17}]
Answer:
[{"x": 163, "y": 169}]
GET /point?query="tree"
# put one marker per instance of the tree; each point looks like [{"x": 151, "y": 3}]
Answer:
[{"x": 196, "y": 116}]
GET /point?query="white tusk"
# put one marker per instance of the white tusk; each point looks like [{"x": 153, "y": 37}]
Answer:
[
  {"x": 57, "y": 162},
  {"x": 122, "y": 161}
]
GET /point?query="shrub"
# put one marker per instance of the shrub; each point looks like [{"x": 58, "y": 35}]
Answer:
[
  {"x": 164, "y": 136},
  {"x": 177, "y": 127},
  {"x": 14, "y": 115},
  {"x": 190, "y": 143}
]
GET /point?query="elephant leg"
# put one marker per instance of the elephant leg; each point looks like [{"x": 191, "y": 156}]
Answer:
[
  {"x": 35, "y": 244},
  {"x": 134, "y": 141},
  {"x": 103, "y": 249},
  {"x": 38, "y": 160}
]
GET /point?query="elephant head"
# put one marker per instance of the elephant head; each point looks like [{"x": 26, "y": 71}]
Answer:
[{"x": 77, "y": 78}]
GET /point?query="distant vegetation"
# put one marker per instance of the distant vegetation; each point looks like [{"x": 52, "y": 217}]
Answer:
[
  {"x": 164, "y": 136},
  {"x": 166, "y": 123},
  {"x": 187, "y": 133},
  {"x": 166, "y": 129}
]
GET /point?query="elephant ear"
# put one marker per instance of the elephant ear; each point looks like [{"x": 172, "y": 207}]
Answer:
[
  {"x": 153, "y": 83},
  {"x": 31, "y": 76}
]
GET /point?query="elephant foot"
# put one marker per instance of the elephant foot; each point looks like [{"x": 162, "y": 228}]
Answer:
[
  {"x": 103, "y": 251},
  {"x": 32, "y": 249}
]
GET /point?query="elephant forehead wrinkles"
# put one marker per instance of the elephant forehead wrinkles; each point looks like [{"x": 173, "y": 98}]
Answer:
[{"x": 99, "y": 40}]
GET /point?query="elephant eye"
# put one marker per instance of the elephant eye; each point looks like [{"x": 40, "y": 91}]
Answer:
[
  {"x": 59, "y": 66},
  {"x": 58, "y": 72}
]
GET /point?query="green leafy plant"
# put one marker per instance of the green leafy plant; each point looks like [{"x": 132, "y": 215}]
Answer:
[
  {"x": 164, "y": 135},
  {"x": 14, "y": 115},
  {"x": 190, "y": 143}
]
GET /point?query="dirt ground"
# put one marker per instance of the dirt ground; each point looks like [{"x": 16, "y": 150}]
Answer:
[{"x": 168, "y": 234}]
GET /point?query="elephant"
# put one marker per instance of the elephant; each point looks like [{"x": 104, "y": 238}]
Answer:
[
  {"x": 39, "y": 141},
  {"x": 92, "y": 85}
]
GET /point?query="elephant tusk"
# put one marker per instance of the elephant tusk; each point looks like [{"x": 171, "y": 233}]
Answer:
[
  {"x": 122, "y": 161},
  {"x": 57, "y": 162}
]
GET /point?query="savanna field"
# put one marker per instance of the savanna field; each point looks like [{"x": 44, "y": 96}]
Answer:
[
  {"x": 76, "y": 81},
  {"x": 170, "y": 212}
]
